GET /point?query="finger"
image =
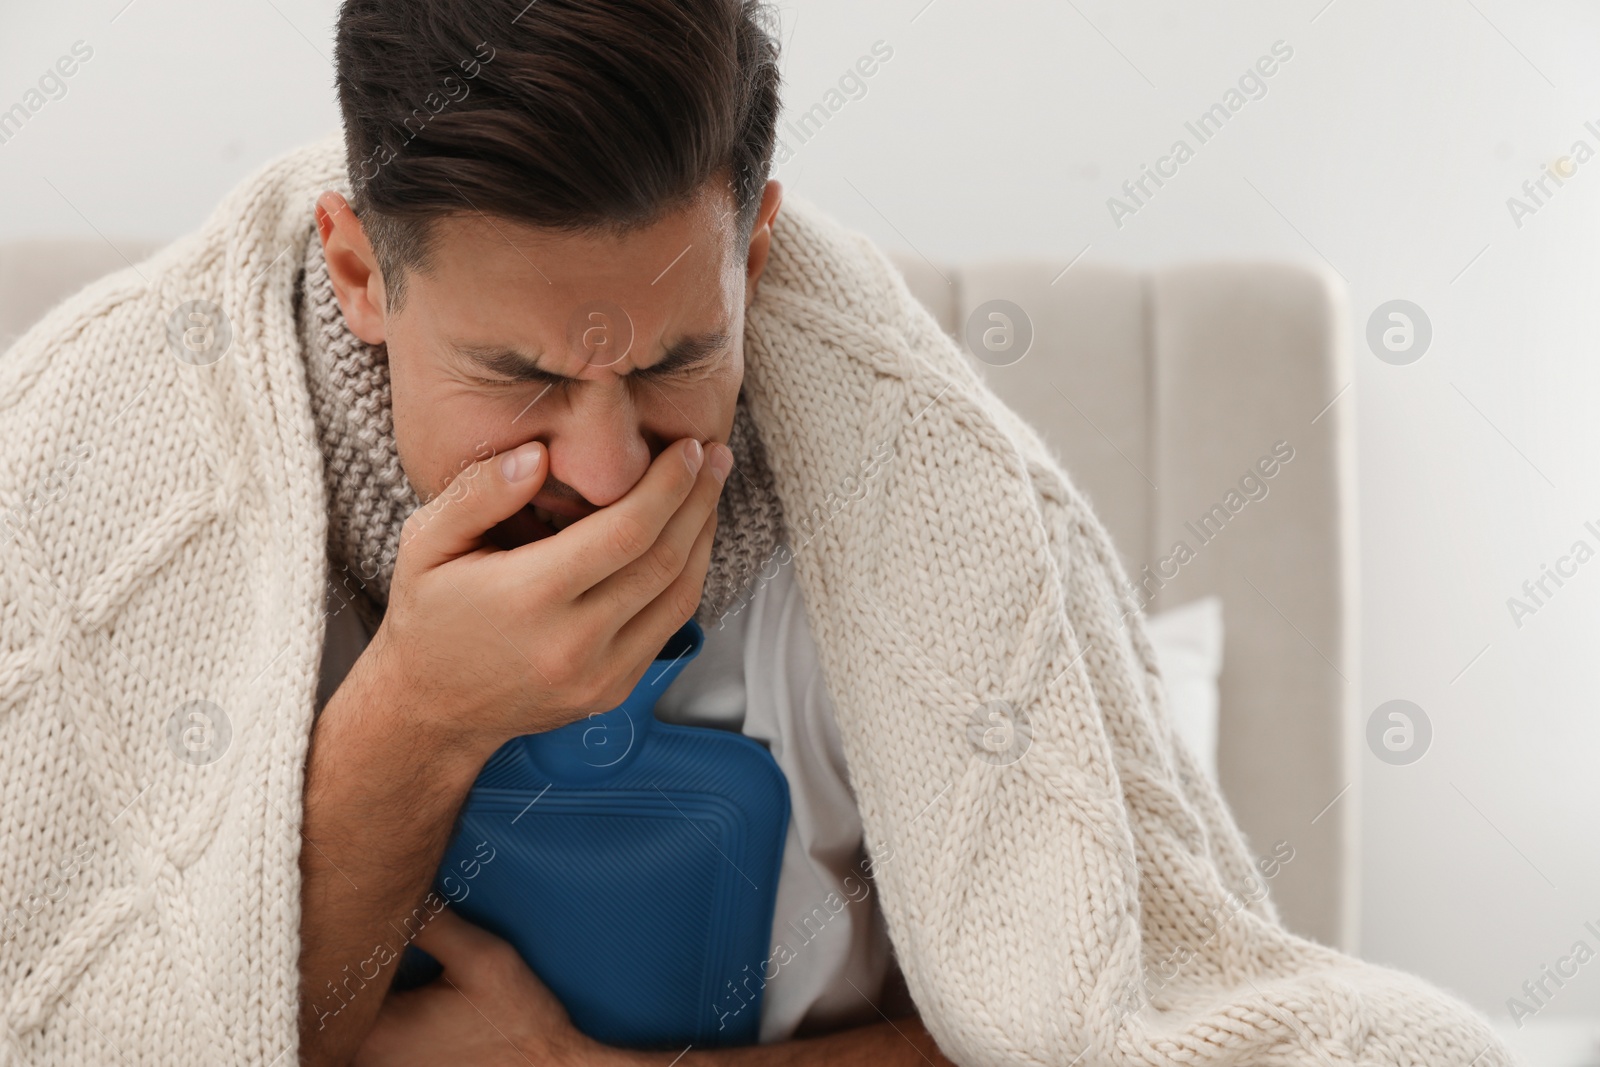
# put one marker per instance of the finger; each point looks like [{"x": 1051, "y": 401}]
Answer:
[
  {"x": 641, "y": 582},
  {"x": 488, "y": 492},
  {"x": 644, "y": 635},
  {"x": 616, "y": 535},
  {"x": 454, "y": 942}
]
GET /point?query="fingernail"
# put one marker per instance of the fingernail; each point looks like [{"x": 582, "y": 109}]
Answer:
[
  {"x": 693, "y": 456},
  {"x": 520, "y": 463},
  {"x": 721, "y": 462}
]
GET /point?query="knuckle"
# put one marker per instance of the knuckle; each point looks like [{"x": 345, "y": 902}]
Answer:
[
  {"x": 568, "y": 661},
  {"x": 629, "y": 536},
  {"x": 563, "y": 663},
  {"x": 666, "y": 562},
  {"x": 542, "y": 588},
  {"x": 684, "y": 604},
  {"x": 596, "y": 694},
  {"x": 557, "y": 671},
  {"x": 605, "y": 697}
]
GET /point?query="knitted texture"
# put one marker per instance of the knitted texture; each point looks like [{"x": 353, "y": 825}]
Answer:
[
  {"x": 1061, "y": 883},
  {"x": 369, "y": 495}
]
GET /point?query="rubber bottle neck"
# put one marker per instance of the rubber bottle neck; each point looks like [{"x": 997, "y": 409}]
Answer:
[{"x": 601, "y": 745}]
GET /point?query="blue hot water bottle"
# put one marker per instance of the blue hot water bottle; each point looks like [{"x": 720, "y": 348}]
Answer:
[{"x": 634, "y": 865}]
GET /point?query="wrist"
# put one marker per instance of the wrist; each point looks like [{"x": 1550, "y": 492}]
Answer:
[{"x": 382, "y": 704}]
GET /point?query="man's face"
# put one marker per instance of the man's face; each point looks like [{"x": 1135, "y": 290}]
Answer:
[{"x": 605, "y": 348}]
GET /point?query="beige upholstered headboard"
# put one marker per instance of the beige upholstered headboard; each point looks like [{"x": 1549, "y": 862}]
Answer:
[{"x": 1160, "y": 392}]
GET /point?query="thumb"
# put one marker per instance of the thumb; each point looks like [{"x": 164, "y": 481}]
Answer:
[{"x": 488, "y": 492}]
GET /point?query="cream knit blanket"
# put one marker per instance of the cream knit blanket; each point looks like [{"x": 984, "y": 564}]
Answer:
[{"x": 1061, "y": 883}]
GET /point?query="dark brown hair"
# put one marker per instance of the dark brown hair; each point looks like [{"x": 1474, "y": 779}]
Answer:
[{"x": 579, "y": 115}]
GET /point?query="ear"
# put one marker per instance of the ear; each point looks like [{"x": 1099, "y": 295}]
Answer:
[
  {"x": 761, "y": 238},
  {"x": 352, "y": 267}
]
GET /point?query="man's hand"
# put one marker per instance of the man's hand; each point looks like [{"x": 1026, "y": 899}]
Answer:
[
  {"x": 478, "y": 645},
  {"x": 489, "y": 1010},
  {"x": 505, "y": 643}
]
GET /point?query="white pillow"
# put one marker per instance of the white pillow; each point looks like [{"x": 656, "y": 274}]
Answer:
[{"x": 1188, "y": 647}]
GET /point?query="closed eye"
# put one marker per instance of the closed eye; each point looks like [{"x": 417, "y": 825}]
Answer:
[
  {"x": 553, "y": 382},
  {"x": 683, "y": 359},
  {"x": 686, "y": 357}
]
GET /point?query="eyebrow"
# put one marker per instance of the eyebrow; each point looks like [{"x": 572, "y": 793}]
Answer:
[{"x": 689, "y": 353}]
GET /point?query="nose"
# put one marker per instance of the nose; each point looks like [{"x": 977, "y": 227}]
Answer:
[{"x": 600, "y": 449}]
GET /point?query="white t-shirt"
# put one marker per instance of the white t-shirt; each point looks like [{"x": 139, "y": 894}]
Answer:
[{"x": 758, "y": 673}]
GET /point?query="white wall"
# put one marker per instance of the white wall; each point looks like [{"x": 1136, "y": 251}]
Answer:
[{"x": 1387, "y": 144}]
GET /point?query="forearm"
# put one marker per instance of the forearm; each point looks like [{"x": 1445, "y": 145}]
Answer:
[
  {"x": 889, "y": 1043},
  {"x": 380, "y": 800}
]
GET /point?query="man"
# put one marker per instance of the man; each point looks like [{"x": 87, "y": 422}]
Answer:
[
  {"x": 495, "y": 387},
  {"x": 577, "y": 313}
]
